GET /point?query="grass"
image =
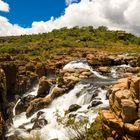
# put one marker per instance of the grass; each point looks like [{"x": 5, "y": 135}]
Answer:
[{"x": 63, "y": 41}]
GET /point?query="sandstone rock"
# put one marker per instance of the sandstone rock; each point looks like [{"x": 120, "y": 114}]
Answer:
[
  {"x": 132, "y": 130},
  {"x": 129, "y": 112},
  {"x": 115, "y": 100},
  {"x": 133, "y": 70},
  {"x": 112, "y": 122},
  {"x": 104, "y": 69},
  {"x": 135, "y": 85},
  {"x": 57, "y": 91},
  {"x": 10, "y": 71},
  {"x": 138, "y": 61},
  {"x": 137, "y": 123},
  {"x": 44, "y": 87},
  {"x": 40, "y": 69}
]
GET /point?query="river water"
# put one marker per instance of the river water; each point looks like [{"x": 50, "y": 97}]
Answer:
[{"x": 89, "y": 93}]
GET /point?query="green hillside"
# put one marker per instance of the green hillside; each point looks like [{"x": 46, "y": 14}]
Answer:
[{"x": 63, "y": 40}]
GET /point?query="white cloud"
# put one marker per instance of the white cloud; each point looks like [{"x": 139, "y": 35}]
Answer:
[
  {"x": 4, "y": 6},
  {"x": 68, "y": 2},
  {"x": 119, "y": 14}
]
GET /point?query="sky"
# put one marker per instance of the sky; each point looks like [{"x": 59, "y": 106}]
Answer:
[{"x": 18, "y": 17}]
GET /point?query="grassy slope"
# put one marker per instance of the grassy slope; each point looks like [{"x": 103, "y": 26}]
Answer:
[{"x": 64, "y": 40}]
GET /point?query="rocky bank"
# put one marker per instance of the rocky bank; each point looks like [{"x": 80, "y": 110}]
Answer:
[{"x": 18, "y": 76}]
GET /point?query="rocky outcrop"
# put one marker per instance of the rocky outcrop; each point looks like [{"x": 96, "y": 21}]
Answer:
[
  {"x": 10, "y": 70},
  {"x": 3, "y": 103},
  {"x": 124, "y": 102},
  {"x": 44, "y": 87},
  {"x": 65, "y": 81}
]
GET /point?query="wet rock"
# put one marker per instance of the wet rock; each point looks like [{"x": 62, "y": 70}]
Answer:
[
  {"x": 94, "y": 104},
  {"x": 57, "y": 91},
  {"x": 23, "y": 104},
  {"x": 44, "y": 87},
  {"x": 39, "y": 123},
  {"x": 38, "y": 104},
  {"x": 74, "y": 107}
]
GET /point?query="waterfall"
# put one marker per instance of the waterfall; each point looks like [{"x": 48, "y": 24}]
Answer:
[
  {"x": 33, "y": 93},
  {"x": 82, "y": 64},
  {"x": 83, "y": 94}
]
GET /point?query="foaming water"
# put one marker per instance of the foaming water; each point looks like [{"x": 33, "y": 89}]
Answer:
[
  {"x": 78, "y": 95},
  {"x": 83, "y": 94},
  {"x": 82, "y": 64},
  {"x": 33, "y": 93}
]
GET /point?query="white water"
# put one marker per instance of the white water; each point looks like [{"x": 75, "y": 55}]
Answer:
[
  {"x": 33, "y": 93},
  {"x": 54, "y": 130},
  {"x": 114, "y": 72},
  {"x": 81, "y": 64}
]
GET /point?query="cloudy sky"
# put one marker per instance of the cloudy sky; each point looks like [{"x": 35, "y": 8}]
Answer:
[{"x": 37, "y": 16}]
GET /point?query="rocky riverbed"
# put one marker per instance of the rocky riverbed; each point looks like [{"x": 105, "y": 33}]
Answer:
[{"x": 32, "y": 91}]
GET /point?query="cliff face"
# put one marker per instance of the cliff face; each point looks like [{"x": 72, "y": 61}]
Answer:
[
  {"x": 123, "y": 117},
  {"x": 3, "y": 103}
]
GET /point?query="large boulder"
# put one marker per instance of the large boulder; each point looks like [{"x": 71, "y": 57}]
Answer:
[
  {"x": 74, "y": 107},
  {"x": 129, "y": 110},
  {"x": 40, "y": 69},
  {"x": 44, "y": 87}
]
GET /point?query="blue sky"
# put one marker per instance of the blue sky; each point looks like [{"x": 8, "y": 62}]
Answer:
[
  {"x": 24, "y": 12},
  {"x": 18, "y": 17}
]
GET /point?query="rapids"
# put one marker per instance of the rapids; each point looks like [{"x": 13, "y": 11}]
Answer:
[{"x": 85, "y": 93}]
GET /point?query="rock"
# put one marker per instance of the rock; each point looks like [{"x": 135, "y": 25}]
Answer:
[
  {"x": 138, "y": 61},
  {"x": 38, "y": 104},
  {"x": 10, "y": 70},
  {"x": 133, "y": 70},
  {"x": 3, "y": 94},
  {"x": 57, "y": 91},
  {"x": 30, "y": 67},
  {"x": 39, "y": 123},
  {"x": 113, "y": 122},
  {"x": 74, "y": 107},
  {"x": 115, "y": 100},
  {"x": 23, "y": 104},
  {"x": 2, "y": 127},
  {"x": 137, "y": 123},
  {"x": 132, "y": 130},
  {"x": 135, "y": 85},
  {"x": 94, "y": 103},
  {"x": 104, "y": 69},
  {"x": 40, "y": 69},
  {"x": 129, "y": 110},
  {"x": 44, "y": 87}
]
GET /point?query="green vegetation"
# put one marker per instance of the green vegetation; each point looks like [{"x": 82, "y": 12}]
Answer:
[
  {"x": 80, "y": 129},
  {"x": 63, "y": 41}
]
